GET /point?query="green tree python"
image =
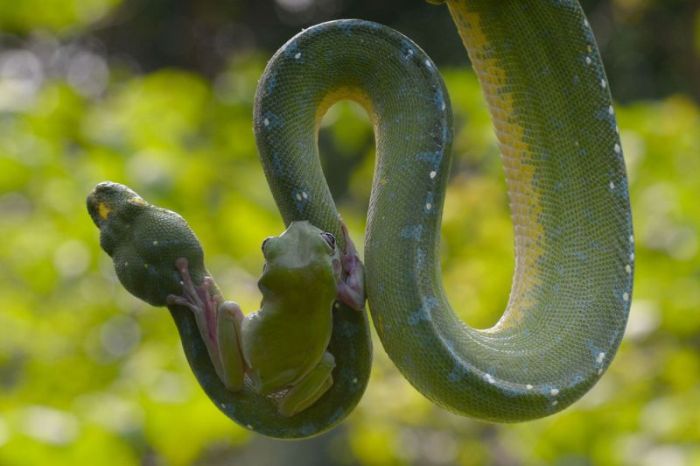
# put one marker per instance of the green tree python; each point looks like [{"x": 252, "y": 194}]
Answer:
[{"x": 544, "y": 82}]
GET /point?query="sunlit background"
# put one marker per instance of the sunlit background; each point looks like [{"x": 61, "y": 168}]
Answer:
[{"x": 158, "y": 95}]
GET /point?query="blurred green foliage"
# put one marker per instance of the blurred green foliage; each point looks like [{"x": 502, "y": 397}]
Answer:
[
  {"x": 61, "y": 16},
  {"x": 90, "y": 375}
]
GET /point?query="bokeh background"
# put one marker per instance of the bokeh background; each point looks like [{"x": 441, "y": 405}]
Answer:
[{"x": 158, "y": 95}]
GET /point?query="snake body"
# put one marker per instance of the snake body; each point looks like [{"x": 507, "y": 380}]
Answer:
[{"x": 544, "y": 82}]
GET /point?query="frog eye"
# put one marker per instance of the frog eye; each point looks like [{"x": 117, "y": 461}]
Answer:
[
  {"x": 262, "y": 247},
  {"x": 330, "y": 239}
]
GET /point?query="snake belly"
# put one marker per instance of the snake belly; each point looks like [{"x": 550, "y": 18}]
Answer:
[{"x": 545, "y": 85}]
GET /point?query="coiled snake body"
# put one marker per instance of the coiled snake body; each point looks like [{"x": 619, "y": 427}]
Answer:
[
  {"x": 544, "y": 82},
  {"x": 539, "y": 67}
]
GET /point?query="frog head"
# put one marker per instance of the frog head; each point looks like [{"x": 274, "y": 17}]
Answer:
[{"x": 303, "y": 257}]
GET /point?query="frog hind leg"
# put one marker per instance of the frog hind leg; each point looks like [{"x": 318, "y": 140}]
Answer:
[
  {"x": 309, "y": 389},
  {"x": 219, "y": 323},
  {"x": 228, "y": 327}
]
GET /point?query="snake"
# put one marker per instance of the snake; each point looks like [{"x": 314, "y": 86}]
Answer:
[{"x": 544, "y": 82}]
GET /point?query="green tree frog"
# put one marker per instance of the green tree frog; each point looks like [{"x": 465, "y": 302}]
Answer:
[{"x": 281, "y": 348}]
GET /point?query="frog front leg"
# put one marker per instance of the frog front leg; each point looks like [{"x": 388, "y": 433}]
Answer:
[
  {"x": 309, "y": 388},
  {"x": 219, "y": 324}
]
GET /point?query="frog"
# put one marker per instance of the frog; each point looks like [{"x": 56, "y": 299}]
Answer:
[{"x": 279, "y": 351}]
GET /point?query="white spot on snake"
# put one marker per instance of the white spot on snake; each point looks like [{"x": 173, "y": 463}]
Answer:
[
  {"x": 155, "y": 243},
  {"x": 600, "y": 358},
  {"x": 420, "y": 258},
  {"x": 428, "y": 64},
  {"x": 628, "y": 268},
  {"x": 126, "y": 264},
  {"x": 631, "y": 256},
  {"x": 626, "y": 296},
  {"x": 336, "y": 305},
  {"x": 443, "y": 106},
  {"x": 555, "y": 402},
  {"x": 612, "y": 185},
  {"x": 554, "y": 392},
  {"x": 266, "y": 122},
  {"x": 298, "y": 196},
  {"x": 249, "y": 426},
  {"x": 354, "y": 380},
  {"x": 611, "y": 110},
  {"x": 529, "y": 387},
  {"x": 297, "y": 56},
  {"x": 304, "y": 195},
  {"x": 413, "y": 232},
  {"x": 433, "y": 174},
  {"x": 588, "y": 60},
  {"x": 428, "y": 206},
  {"x": 603, "y": 84},
  {"x": 182, "y": 283},
  {"x": 489, "y": 378},
  {"x": 631, "y": 238},
  {"x": 585, "y": 22},
  {"x": 145, "y": 266},
  {"x": 617, "y": 148},
  {"x": 423, "y": 314},
  {"x": 600, "y": 371}
]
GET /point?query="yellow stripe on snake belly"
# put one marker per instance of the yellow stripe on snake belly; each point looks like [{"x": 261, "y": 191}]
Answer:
[{"x": 525, "y": 203}]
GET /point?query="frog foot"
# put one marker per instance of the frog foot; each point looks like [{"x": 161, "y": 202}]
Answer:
[
  {"x": 351, "y": 286},
  {"x": 309, "y": 389},
  {"x": 203, "y": 303}
]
